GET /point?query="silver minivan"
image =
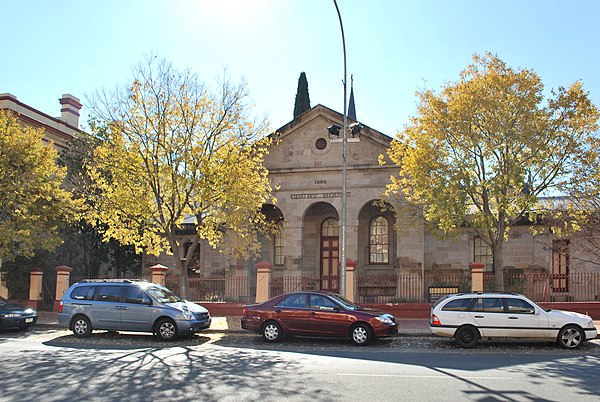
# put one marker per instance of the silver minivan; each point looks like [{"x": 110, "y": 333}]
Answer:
[{"x": 129, "y": 305}]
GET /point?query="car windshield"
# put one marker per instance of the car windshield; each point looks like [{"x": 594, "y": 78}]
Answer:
[
  {"x": 347, "y": 304},
  {"x": 163, "y": 295}
]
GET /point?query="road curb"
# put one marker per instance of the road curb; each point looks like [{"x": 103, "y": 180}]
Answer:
[{"x": 47, "y": 325}]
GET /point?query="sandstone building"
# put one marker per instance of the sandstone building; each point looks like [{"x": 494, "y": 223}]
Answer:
[{"x": 305, "y": 168}]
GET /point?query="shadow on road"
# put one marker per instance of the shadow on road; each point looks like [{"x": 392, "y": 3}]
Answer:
[
  {"x": 100, "y": 369},
  {"x": 124, "y": 341},
  {"x": 536, "y": 361}
]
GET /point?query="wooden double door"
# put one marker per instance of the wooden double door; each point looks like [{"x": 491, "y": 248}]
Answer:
[{"x": 330, "y": 255}]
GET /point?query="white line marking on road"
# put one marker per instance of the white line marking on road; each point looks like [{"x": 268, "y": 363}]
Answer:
[{"x": 422, "y": 376}]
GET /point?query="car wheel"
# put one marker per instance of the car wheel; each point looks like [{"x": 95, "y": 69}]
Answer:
[
  {"x": 271, "y": 332},
  {"x": 361, "y": 334},
  {"x": 570, "y": 337},
  {"x": 82, "y": 328},
  {"x": 166, "y": 330},
  {"x": 467, "y": 337}
]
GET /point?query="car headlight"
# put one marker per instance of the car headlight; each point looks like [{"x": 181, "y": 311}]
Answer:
[
  {"x": 385, "y": 319},
  {"x": 591, "y": 324},
  {"x": 187, "y": 315},
  {"x": 11, "y": 315},
  {"x": 29, "y": 311}
]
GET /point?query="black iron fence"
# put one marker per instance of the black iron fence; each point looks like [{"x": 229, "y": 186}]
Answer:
[
  {"x": 387, "y": 288},
  {"x": 216, "y": 289},
  {"x": 395, "y": 288}
]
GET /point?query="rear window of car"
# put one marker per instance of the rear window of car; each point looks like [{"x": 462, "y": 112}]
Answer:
[
  {"x": 457, "y": 305},
  {"x": 83, "y": 293},
  {"x": 109, "y": 293},
  {"x": 489, "y": 305},
  {"x": 294, "y": 301}
]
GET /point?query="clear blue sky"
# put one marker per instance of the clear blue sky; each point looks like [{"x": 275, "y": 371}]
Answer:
[{"x": 394, "y": 47}]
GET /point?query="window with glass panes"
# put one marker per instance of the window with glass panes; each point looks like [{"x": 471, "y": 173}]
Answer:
[
  {"x": 379, "y": 241},
  {"x": 278, "y": 247},
  {"x": 483, "y": 253}
]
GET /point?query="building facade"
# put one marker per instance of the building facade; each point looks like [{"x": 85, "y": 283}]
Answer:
[
  {"x": 305, "y": 169},
  {"x": 60, "y": 130}
]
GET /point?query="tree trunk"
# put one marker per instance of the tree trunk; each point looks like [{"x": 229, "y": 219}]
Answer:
[
  {"x": 181, "y": 267},
  {"x": 498, "y": 267},
  {"x": 183, "y": 280}
]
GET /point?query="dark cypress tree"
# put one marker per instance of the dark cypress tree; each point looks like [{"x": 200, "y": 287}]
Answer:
[{"x": 302, "y": 99}]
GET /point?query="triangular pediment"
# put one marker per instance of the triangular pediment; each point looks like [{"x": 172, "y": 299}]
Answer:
[{"x": 305, "y": 143}]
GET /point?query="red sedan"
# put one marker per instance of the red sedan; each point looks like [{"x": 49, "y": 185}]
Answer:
[{"x": 316, "y": 313}]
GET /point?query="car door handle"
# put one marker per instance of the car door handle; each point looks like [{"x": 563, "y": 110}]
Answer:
[
  {"x": 479, "y": 316},
  {"x": 513, "y": 318},
  {"x": 313, "y": 313},
  {"x": 278, "y": 311}
]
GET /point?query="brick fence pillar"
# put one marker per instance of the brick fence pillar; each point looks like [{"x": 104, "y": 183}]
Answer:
[
  {"x": 35, "y": 288},
  {"x": 350, "y": 268},
  {"x": 159, "y": 274},
  {"x": 62, "y": 283},
  {"x": 3, "y": 289},
  {"x": 477, "y": 276},
  {"x": 263, "y": 281}
]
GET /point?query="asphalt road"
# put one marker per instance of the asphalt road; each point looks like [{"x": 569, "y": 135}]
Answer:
[{"x": 52, "y": 365}]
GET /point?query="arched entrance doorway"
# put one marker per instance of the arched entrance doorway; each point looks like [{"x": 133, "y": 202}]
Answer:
[
  {"x": 320, "y": 245},
  {"x": 330, "y": 255}
]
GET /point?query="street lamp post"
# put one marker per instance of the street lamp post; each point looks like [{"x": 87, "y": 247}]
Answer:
[{"x": 342, "y": 273}]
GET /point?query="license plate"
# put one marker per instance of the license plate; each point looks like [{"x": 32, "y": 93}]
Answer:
[{"x": 28, "y": 320}]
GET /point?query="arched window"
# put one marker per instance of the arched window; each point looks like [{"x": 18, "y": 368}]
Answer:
[
  {"x": 330, "y": 228},
  {"x": 379, "y": 241}
]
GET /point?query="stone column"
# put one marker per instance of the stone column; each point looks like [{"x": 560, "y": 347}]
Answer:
[
  {"x": 477, "y": 276},
  {"x": 350, "y": 285},
  {"x": 292, "y": 246},
  {"x": 263, "y": 281},
  {"x": 352, "y": 242},
  {"x": 35, "y": 288},
  {"x": 159, "y": 274},
  {"x": 62, "y": 283}
]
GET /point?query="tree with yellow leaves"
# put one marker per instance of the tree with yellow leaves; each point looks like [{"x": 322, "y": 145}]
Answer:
[
  {"x": 33, "y": 204},
  {"x": 482, "y": 151},
  {"x": 173, "y": 151}
]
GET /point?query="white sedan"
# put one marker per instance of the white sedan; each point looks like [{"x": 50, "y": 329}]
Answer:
[{"x": 469, "y": 317}]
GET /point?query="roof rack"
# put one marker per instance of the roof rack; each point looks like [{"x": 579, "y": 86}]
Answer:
[
  {"x": 112, "y": 280},
  {"x": 488, "y": 293}
]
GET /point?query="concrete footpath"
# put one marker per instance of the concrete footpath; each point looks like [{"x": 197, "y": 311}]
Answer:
[{"x": 407, "y": 326}]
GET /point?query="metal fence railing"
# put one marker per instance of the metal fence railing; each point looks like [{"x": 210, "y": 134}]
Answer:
[
  {"x": 216, "y": 289},
  {"x": 390, "y": 288},
  {"x": 74, "y": 278},
  {"x": 394, "y": 288},
  {"x": 572, "y": 287}
]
